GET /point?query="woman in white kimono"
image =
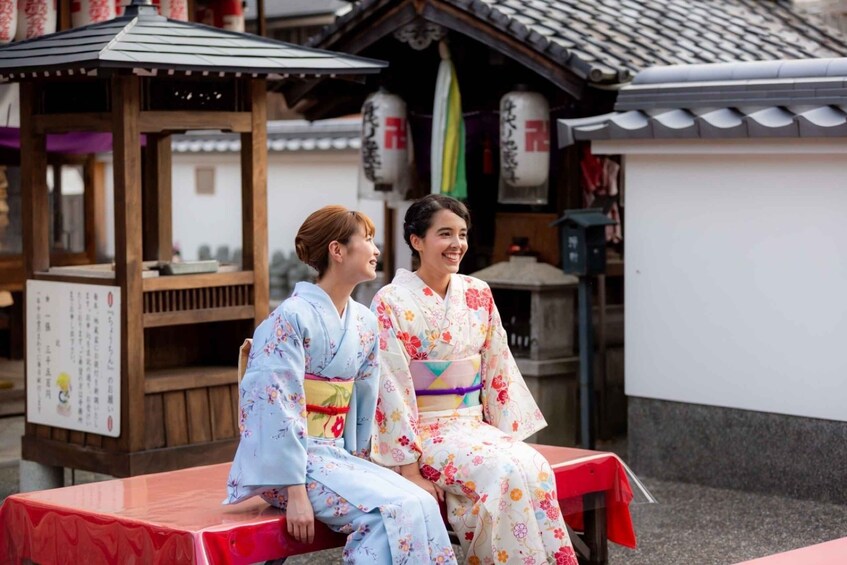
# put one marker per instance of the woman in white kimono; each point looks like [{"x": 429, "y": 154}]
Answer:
[
  {"x": 453, "y": 408},
  {"x": 307, "y": 403}
]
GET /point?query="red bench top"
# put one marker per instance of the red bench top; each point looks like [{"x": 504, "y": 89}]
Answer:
[
  {"x": 177, "y": 517},
  {"x": 827, "y": 553}
]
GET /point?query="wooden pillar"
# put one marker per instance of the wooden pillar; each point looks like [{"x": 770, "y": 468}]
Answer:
[
  {"x": 261, "y": 25},
  {"x": 389, "y": 216},
  {"x": 157, "y": 201},
  {"x": 58, "y": 209},
  {"x": 126, "y": 151},
  {"x": 34, "y": 196},
  {"x": 254, "y": 198},
  {"x": 94, "y": 206},
  {"x": 34, "y": 206}
]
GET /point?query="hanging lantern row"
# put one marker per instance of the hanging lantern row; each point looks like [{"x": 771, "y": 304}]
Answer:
[
  {"x": 524, "y": 138},
  {"x": 25, "y": 19},
  {"x": 384, "y": 139}
]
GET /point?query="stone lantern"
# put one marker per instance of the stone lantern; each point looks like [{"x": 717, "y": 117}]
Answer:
[{"x": 537, "y": 303}]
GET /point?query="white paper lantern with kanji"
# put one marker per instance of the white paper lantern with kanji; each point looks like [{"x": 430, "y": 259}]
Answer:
[
  {"x": 8, "y": 20},
  {"x": 35, "y": 18},
  {"x": 173, "y": 9},
  {"x": 524, "y": 138},
  {"x": 384, "y": 139},
  {"x": 85, "y": 12}
]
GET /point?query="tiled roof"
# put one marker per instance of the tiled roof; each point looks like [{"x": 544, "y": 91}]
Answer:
[
  {"x": 294, "y": 8},
  {"x": 729, "y": 100},
  {"x": 611, "y": 40},
  {"x": 284, "y": 135},
  {"x": 143, "y": 40}
]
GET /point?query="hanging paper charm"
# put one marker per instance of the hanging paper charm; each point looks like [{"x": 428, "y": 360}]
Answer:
[
  {"x": 524, "y": 138},
  {"x": 384, "y": 141}
]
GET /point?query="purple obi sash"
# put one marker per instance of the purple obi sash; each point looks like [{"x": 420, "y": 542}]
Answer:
[{"x": 446, "y": 385}]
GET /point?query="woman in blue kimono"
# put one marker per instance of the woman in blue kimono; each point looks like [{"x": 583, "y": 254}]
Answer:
[{"x": 308, "y": 399}]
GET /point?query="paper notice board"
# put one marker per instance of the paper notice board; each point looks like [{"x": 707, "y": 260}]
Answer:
[{"x": 73, "y": 356}]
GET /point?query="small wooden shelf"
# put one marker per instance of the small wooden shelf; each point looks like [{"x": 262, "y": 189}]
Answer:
[
  {"x": 158, "y": 319},
  {"x": 179, "y": 282},
  {"x": 184, "y": 378}
]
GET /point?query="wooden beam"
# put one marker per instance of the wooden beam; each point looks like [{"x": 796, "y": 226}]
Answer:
[
  {"x": 157, "y": 199},
  {"x": 61, "y": 123},
  {"x": 126, "y": 151},
  {"x": 164, "y": 121},
  {"x": 254, "y": 198},
  {"x": 58, "y": 213}
]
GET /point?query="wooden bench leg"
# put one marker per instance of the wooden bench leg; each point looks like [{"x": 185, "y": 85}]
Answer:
[{"x": 594, "y": 519}]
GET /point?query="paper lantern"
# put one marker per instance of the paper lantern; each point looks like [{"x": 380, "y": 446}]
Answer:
[
  {"x": 85, "y": 12},
  {"x": 173, "y": 9},
  {"x": 384, "y": 139},
  {"x": 35, "y": 18},
  {"x": 8, "y": 20},
  {"x": 524, "y": 138},
  {"x": 229, "y": 14}
]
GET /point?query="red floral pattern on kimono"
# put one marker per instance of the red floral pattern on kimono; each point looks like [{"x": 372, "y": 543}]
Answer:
[{"x": 501, "y": 498}]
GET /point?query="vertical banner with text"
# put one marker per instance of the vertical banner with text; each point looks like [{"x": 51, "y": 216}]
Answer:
[{"x": 73, "y": 356}]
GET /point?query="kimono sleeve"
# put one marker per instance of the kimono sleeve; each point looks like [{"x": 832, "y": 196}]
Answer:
[
  {"x": 365, "y": 390},
  {"x": 272, "y": 450},
  {"x": 507, "y": 403},
  {"x": 396, "y": 440}
]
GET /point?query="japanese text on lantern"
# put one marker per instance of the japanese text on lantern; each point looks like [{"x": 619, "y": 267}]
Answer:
[{"x": 73, "y": 349}]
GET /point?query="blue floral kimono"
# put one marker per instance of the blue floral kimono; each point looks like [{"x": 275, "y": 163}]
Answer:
[{"x": 388, "y": 519}]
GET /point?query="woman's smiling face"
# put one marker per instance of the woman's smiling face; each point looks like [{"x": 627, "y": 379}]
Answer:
[{"x": 444, "y": 244}]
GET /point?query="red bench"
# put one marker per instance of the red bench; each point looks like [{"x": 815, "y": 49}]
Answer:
[
  {"x": 827, "y": 553},
  {"x": 177, "y": 517}
]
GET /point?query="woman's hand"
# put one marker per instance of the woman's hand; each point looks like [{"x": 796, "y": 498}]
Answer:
[
  {"x": 413, "y": 473},
  {"x": 299, "y": 515}
]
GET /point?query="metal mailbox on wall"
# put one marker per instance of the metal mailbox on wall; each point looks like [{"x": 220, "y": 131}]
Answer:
[{"x": 583, "y": 243}]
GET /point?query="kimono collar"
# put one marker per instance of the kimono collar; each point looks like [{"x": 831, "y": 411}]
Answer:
[
  {"x": 411, "y": 281},
  {"x": 320, "y": 300}
]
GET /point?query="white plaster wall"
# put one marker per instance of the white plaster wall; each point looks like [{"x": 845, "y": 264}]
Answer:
[
  {"x": 736, "y": 278},
  {"x": 298, "y": 184}
]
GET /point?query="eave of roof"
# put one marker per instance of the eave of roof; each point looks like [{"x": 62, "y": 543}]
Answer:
[
  {"x": 800, "y": 99},
  {"x": 143, "y": 41},
  {"x": 283, "y": 136}
]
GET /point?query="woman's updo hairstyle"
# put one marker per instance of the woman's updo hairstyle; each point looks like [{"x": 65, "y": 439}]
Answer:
[
  {"x": 322, "y": 227},
  {"x": 419, "y": 216}
]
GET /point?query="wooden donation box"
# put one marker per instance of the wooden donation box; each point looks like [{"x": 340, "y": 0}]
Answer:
[
  {"x": 537, "y": 304},
  {"x": 129, "y": 370}
]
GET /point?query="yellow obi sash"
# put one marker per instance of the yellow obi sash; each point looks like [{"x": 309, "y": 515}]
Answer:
[
  {"x": 446, "y": 385},
  {"x": 327, "y": 404}
]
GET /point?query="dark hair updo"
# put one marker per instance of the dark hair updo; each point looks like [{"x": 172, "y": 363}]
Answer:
[
  {"x": 322, "y": 227},
  {"x": 419, "y": 216}
]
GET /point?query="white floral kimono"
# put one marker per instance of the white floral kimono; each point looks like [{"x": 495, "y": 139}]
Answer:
[
  {"x": 451, "y": 398},
  {"x": 307, "y": 403}
]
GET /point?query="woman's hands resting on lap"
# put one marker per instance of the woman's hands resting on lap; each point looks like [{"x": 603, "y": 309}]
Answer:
[
  {"x": 299, "y": 515},
  {"x": 413, "y": 473}
]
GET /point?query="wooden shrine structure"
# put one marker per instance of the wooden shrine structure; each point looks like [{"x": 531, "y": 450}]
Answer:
[{"x": 142, "y": 77}]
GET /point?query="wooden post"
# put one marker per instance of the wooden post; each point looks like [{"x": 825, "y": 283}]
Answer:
[
  {"x": 254, "y": 199},
  {"x": 389, "y": 215},
  {"x": 58, "y": 214},
  {"x": 34, "y": 206},
  {"x": 36, "y": 216},
  {"x": 157, "y": 208},
  {"x": 94, "y": 200},
  {"x": 126, "y": 150}
]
